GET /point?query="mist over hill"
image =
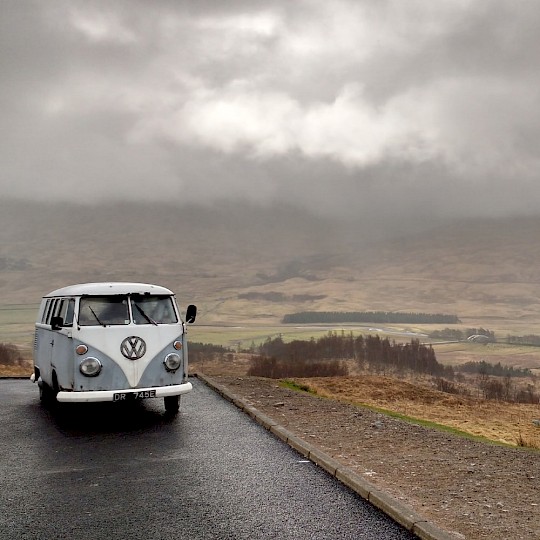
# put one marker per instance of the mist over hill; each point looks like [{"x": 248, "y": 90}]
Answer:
[{"x": 242, "y": 262}]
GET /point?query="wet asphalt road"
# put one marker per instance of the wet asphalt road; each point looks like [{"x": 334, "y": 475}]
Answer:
[{"x": 109, "y": 471}]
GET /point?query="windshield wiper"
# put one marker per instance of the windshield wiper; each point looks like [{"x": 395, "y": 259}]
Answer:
[
  {"x": 97, "y": 318},
  {"x": 139, "y": 309}
]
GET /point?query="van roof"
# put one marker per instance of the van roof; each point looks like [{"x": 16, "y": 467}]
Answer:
[{"x": 109, "y": 288}]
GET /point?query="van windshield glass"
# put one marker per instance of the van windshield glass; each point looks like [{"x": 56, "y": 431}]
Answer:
[
  {"x": 150, "y": 309},
  {"x": 113, "y": 310},
  {"x": 103, "y": 310}
]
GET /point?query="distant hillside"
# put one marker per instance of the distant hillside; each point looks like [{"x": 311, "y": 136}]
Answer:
[
  {"x": 255, "y": 264},
  {"x": 199, "y": 252}
]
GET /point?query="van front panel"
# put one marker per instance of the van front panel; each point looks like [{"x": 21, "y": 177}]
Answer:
[{"x": 131, "y": 356}]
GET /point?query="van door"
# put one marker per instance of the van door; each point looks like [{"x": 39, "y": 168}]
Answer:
[
  {"x": 61, "y": 342},
  {"x": 44, "y": 342}
]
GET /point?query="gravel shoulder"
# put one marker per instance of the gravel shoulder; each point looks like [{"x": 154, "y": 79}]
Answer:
[{"x": 472, "y": 489}]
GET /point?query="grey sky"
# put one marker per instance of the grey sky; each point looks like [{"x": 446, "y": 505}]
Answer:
[{"x": 413, "y": 107}]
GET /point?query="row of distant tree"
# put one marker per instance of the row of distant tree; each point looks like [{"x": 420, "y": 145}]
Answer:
[
  {"x": 199, "y": 352},
  {"x": 313, "y": 317},
  {"x": 530, "y": 339},
  {"x": 371, "y": 352},
  {"x": 495, "y": 370},
  {"x": 454, "y": 334},
  {"x": 330, "y": 355}
]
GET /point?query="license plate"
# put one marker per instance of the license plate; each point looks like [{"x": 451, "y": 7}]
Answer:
[{"x": 134, "y": 396}]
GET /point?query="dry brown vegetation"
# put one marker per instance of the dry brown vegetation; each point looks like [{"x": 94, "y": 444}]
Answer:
[
  {"x": 416, "y": 398},
  {"x": 502, "y": 422},
  {"x": 16, "y": 371},
  {"x": 13, "y": 362}
]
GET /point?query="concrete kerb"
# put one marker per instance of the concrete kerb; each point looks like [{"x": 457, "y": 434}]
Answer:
[
  {"x": 324, "y": 461},
  {"x": 354, "y": 481},
  {"x": 264, "y": 420},
  {"x": 280, "y": 432},
  {"x": 395, "y": 509},
  {"x": 300, "y": 445},
  {"x": 426, "y": 530}
]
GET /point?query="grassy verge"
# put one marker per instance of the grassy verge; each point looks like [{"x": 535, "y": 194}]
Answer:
[
  {"x": 17, "y": 325},
  {"x": 298, "y": 387}
]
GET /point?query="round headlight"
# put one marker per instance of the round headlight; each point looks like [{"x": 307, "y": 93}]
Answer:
[
  {"x": 90, "y": 367},
  {"x": 172, "y": 362}
]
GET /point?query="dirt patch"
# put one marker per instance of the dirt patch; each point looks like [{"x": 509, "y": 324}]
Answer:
[{"x": 475, "y": 489}]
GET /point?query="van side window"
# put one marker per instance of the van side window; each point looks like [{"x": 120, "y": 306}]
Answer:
[
  {"x": 51, "y": 311},
  {"x": 59, "y": 307},
  {"x": 70, "y": 310},
  {"x": 64, "y": 308},
  {"x": 46, "y": 311}
]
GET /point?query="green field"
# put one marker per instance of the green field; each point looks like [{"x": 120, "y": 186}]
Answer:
[
  {"x": 17, "y": 324},
  {"x": 242, "y": 337},
  {"x": 17, "y": 327}
]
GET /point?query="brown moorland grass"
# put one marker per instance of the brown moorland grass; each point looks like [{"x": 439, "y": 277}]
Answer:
[
  {"x": 498, "y": 421},
  {"x": 24, "y": 370}
]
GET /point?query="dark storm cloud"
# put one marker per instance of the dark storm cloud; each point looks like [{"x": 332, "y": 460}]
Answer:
[{"x": 409, "y": 108}]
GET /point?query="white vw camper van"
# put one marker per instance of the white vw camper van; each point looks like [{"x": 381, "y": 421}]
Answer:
[{"x": 111, "y": 342}]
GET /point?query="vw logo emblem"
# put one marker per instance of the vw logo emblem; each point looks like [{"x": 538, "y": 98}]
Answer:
[{"x": 133, "y": 347}]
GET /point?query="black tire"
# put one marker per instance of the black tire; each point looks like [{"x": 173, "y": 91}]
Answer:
[
  {"x": 47, "y": 395},
  {"x": 172, "y": 404}
]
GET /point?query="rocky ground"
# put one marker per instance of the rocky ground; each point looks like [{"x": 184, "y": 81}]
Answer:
[{"x": 473, "y": 489}]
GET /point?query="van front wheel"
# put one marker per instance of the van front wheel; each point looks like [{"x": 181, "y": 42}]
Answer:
[
  {"x": 172, "y": 404},
  {"x": 46, "y": 394}
]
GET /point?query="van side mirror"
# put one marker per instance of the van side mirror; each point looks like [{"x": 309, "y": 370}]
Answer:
[
  {"x": 57, "y": 323},
  {"x": 191, "y": 313}
]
